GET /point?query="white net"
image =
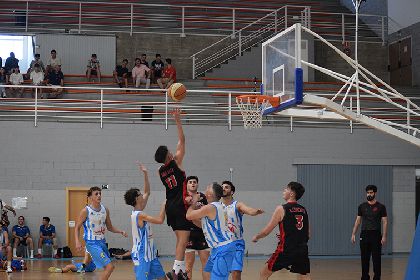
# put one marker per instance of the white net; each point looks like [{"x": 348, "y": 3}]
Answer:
[{"x": 252, "y": 111}]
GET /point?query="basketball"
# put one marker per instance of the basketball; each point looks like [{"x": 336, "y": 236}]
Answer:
[{"x": 177, "y": 91}]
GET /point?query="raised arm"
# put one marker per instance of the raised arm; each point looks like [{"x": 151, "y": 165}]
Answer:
[
  {"x": 111, "y": 228},
  {"x": 146, "y": 192},
  {"x": 11, "y": 209},
  {"x": 245, "y": 209},
  {"x": 276, "y": 218},
  {"x": 82, "y": 217},
  {"x": 180, "y": 148},
  {"x": 355, "y": 228},
  {"x": 154, "y": 220}
]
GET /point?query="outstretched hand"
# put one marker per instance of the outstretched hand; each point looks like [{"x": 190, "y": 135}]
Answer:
[
  {"x": 177, "y": 115},
  {"x": 259, "y": 211},
  {"x": 142, "y": 168}
]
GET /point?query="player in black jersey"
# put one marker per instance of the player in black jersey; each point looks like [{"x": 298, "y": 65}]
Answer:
[
  {"x": 292, "y": 249},
  {"x": 174, "y": 179},
  {"x": 197, "y": 241}
]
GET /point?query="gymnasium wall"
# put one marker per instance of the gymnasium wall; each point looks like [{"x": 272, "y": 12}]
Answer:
[{"x": 40, "y": 162}]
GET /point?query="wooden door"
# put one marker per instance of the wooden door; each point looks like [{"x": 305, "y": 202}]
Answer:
[
  {"x": 76, "y": 200},
  {"x": 394, "y": 68}
]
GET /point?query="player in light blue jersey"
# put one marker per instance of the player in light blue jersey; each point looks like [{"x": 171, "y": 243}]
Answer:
[
  {"x": 80, "y": 267},
  {"x": 235, "y": 211},
  {"x": 95, "y": 220},
  {"x": 214, "y": 221},
  {"x": 143, "y": 253}
]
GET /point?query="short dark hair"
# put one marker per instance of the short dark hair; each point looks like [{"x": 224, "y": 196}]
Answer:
[
  {"x": 21, "y": 217},
  {"x": 36, "y": 65},
  {"x": 158, "y": 54},
  {"x": 371, "y": 188},
  {"x": 168, "y": 60},
  {"x": 192, "y": 178},
  {"x": 53, "y": 51},
  {"x": 37, "y": 55},
  {"x": 217, "y": 190},
  {"x": 297, "y": 188},
  {"x": 46, "y": 218},
  {"x": 94, "y": 55},
  {"x": 93, "y": 189},
  {"x": 160, "y": 154},
  {"x": 232, "y": 187},
  {"x": 143, "y": 54},
  {"x": 137, "y": 59},
  {"x": 125, "y": 59},
  {"x": 130, "y": 196}
]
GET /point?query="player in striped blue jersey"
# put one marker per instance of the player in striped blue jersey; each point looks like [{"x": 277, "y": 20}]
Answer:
[
  {"x": 235, "y": 211},
  {"x": 214, "y": 222},
  {"x": 95, "y": 220},
  {"x": 143, "y": 253}
]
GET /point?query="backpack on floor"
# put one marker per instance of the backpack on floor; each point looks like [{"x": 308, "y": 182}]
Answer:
[{"x": 67, "y": 252}]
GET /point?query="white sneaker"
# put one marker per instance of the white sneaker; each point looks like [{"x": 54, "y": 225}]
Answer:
[
  {"x": 9, "y": 270},
  {"x": 31, "y": 257}
]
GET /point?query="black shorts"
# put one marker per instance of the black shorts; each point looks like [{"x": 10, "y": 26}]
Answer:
[
  {"x": 175, "y": 216},
  {"x": 294, "y": 259},
  {"x": 197, "y": 241}
]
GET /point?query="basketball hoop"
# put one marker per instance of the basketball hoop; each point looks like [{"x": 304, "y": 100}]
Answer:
[{"x": 253, "y": 106}]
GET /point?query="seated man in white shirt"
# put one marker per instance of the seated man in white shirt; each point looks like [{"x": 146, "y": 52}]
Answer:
[
  {"x": 37, "y": 78},
  {"x": 53, "y": 61},
  {"x": 141, "y": 74},
  {"x": 16, "y": 78}
]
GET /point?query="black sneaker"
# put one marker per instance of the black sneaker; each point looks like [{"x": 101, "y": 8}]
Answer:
[
  {"x": 171, "y": 275},
  {"x": 182, "y": 275},
  {"x": 120, "y": 85}
]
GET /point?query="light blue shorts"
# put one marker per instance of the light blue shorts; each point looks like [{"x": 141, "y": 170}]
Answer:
[
  {"x": 238, "y": 260},
  {"x": 89, "y": 268},
  {"x": 149, "y": 270},
  {"x": 220, "y": 261},
  {"x": 99, "y": 252}
]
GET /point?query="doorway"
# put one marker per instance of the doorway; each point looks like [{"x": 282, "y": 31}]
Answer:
[
  {"x": 76, "y": 200},
  {"x": 400, "y": 62}
]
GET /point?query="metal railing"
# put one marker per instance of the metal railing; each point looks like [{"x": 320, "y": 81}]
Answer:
[
  {"x": 153, "y": 106},
  {"x": 111, "y": 17},
  {"x": 338, "y": 27}
]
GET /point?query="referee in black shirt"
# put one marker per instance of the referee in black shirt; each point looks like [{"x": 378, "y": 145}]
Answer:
[{"x": 370, "y": 214}]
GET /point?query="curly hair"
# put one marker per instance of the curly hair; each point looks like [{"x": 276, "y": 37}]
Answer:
[{"x": 131, "y": 195}]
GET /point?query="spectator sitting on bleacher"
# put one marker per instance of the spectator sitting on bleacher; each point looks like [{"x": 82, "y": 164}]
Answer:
[
  {"x": 169, "y": 75},
  {"x": 140, "y": 74},
  {"x": 5, "y": 249},
  {"x": 157, "y": 68},
  {"x": 38, "y": 61},
  {"x": 22, "y": 235},
  {"x": 16, "y": 78},
  {"x": 37, "y": 78},
  {"x": 121, "y": 73},
  {"x": 3, "y": 81},
  {"x": 93, "y": 68},
  {"x": 56, "y": 81},
  {"x": 143, "y": 60},
  {"x": 47, "y": 235},
  {"x": 11, "y": 63},
  {"x": 53, "y": 61}
]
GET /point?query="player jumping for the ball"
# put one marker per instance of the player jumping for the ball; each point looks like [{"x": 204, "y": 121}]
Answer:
[{"x": 174, "y": 179}]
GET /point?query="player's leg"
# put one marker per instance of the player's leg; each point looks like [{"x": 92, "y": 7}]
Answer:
[
  {"x": 156, "y": 270},
  {"x": 55, "y": 246},
  {"x": 204, "y": 256},
  {"x": 69, "y": 267},
  {"x": 170, "y": 82},
  {"x": 108, "y": 269},
  {"x": 222, "y": 263},
  {"x": 182, "y": 237},
  {"x": 15, "y": 245},
  {"x": 189, "y": 261},
  {"x": 238, "y": 261},
  {"x": 40, "y": 242},
  {"x": 88, "y": 73},
  {"x": 303, "y": 277},
  {"x": 30, "y": 243},
  {"x": 265, "y": 272},
  {"x": 8, "y": 252}
]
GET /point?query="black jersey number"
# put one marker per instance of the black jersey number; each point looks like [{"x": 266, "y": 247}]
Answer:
[
  {"x": 171, "y": 182},
  {"x": 299, "y": 220}
]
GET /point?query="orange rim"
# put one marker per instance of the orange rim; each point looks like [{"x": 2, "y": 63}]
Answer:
[{"x": 274, "y": 101}]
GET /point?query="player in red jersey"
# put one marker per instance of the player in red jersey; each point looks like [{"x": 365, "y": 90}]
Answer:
[
  {"x": 173, "y": 178},
  {"x": 292, "y": 249}
]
